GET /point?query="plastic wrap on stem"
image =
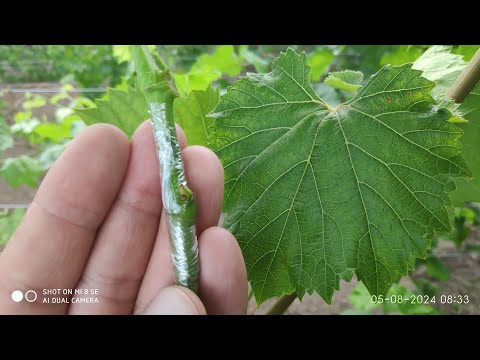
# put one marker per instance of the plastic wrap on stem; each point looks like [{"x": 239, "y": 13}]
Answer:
[{"x": 178, "y": 200}]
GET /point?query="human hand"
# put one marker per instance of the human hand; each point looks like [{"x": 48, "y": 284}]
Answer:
[{"x": 96, "y": 222}]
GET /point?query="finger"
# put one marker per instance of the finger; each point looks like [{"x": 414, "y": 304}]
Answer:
[
  {"x": 204, "y": 174},
  {"x": 223, "y": 275},
  {"x": 175, "y": 300},
  {"x": 51, "y": 246},
  {"x": 124, "y": 242}
]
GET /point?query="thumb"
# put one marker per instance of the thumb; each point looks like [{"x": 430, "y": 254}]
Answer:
[{"x": 175, "y": 300}]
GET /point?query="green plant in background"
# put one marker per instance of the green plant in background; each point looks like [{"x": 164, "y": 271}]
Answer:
[
  {"x": 47, "y": 137},
  {"x": 87, "y": 65}
]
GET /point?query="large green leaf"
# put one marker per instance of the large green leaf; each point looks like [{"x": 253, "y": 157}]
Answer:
[
  {"x": 124, "y": 109},
  {"x": 443, "y": 67},
  {"x": 191, "y": 114},
  {"x": 315, "y": 193}
]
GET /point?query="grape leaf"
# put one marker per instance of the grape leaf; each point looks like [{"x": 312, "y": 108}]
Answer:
[
  {"x": 315, "y": 193},
  {"x": 191, "y": 114},
  {"x": 208, "y": 68},
  {"x": 347, "y": 80},
  {"x": 124, "y": 109},
  {"x": 21, "y": 170}
]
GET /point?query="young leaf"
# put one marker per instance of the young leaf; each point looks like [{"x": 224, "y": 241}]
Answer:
[
  {"x": 347, "y": 80},
  {"x": 21, "y": 170},
  {"x": 208, "y": 68},
  {"x": 195, "y": 80},
  {"x": 191, "y": 114},
  {"x": 319, "y": 62},
  {"x": 124, "y": 109},
  {"x": 315, "y": 193},
  {"x": 224, "y": 60}
]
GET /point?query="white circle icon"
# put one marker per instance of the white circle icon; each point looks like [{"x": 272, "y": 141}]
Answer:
[
  {"x": 17, "y": 296},
  {"x": 32, "y": 298}
]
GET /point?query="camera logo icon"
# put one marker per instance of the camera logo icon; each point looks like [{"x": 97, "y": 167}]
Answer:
[{"x": 18, "y": 296}]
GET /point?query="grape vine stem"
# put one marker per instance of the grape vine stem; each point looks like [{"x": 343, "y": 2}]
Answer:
[
  {"x": 282, "y": 304},
  {"x": 466, "y": 81}
]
